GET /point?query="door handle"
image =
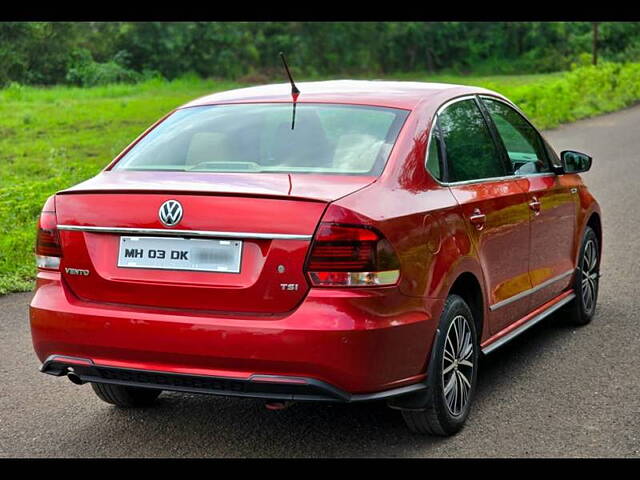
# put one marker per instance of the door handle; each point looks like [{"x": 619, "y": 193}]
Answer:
[
  {"x": 478, "y": 219},
  {"x": 535, "y": 205}
]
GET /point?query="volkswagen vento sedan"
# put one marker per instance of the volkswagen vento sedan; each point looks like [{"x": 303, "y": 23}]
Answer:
[{"x": 365, "y": 240}]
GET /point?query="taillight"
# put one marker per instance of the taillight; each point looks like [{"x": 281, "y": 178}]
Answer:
[
  {"x": 351, "y": 255},
  {"x": 48, "y": 250}
]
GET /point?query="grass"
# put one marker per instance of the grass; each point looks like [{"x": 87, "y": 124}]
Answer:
[{"x": 52, "y": 138}]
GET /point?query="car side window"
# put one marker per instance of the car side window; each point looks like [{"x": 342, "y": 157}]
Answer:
[
  {"x": 470, "y": 149},
  {"x": 434, "y": 159},
  {"x": 524, "y": 145}
]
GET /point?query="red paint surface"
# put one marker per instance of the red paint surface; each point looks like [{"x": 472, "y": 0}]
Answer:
[{"x": 238, "y": 325}]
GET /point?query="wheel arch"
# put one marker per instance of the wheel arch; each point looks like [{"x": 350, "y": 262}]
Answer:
[
  {"x": 591, "y": 219},
  {"x": 595, "y": 222},
  {"x": 467, "y": 286}
]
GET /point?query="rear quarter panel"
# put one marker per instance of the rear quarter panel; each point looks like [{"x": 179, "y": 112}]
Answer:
[
  {"x": 588, "y": 206},
  {"x": 420, "y": 217}
]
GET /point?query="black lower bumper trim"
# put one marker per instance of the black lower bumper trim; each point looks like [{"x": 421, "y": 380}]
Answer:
[{"x": 268, "y": 387}]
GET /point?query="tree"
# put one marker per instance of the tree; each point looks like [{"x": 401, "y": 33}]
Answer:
[{"x": 595, "y": 43}]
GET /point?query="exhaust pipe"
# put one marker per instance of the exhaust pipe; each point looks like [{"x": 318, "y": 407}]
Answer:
[{"x": 74, "y": 378}]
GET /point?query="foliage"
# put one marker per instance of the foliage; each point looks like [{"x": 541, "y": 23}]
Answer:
[
  {"x": 35, "y": 52},
  {"x": 582, "y": 92},
  {"x": 48, "y": 53},
  {"x": 86, "y": 72},
  {"x": 52, "y": 138}
]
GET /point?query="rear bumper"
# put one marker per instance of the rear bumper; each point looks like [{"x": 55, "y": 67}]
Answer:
[
  {"x": 337, "y": 345},
  {"x": 271, "y": 387}
]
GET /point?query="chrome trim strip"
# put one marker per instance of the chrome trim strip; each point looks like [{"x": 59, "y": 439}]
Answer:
[
  {"x": 539, "y": 174},
  {"x": 525, "y": 326},
  {"x": 185, "y": 233},
  {"x": 453, "y": 100},
  {"x": 481, "y": 180},
  {"x": 520, "y": 295}
]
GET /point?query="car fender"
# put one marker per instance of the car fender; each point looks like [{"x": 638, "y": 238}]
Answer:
[{"x": 588, "y": 206}]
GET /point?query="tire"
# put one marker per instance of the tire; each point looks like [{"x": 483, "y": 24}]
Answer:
[
  {"x": 125, "y": 397},
  {"x": 586, "y": 284},
  {"x": 440, "y": 417}
]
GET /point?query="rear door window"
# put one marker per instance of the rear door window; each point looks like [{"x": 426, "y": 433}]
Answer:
[{"x": 470, "y": 150}]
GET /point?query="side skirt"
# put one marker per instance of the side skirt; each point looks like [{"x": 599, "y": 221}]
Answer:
[{"x": 516, "y": 328}]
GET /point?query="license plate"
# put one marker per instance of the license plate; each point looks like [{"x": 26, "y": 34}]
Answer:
[{"x": 180, "y": 254}]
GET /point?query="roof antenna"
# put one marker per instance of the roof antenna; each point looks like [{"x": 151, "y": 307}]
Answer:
[{"x": 294, "y": 90}]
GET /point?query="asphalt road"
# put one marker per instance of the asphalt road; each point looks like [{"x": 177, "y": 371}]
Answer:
[{"x": 555, "y": 391}]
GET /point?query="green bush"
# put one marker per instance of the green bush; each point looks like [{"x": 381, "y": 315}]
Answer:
[
  {"x": 52, "y": 138},
  {"x": 94, "y": 73},
  {"x": 582, "y": 92},
  {"x": 42, "y": 53},
  {"x": 86, "y": 72}
]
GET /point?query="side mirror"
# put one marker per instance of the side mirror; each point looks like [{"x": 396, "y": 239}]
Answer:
[{"x": 575, "y": 162}]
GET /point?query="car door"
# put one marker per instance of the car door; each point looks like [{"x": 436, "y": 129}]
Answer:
[
  {"x": 493, "y": 204},
  {"x": 552, "y": 201}
]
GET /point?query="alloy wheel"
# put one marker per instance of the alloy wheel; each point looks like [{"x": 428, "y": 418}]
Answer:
[
  {"x": 457, "y": 365},
  {"x": 589, "y": 270}
]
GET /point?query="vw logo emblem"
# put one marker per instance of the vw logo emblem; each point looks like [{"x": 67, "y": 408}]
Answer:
[{"x": 170, "y": 213}]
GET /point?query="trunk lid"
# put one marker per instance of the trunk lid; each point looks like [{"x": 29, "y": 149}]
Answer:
[{"x": 273, "y": 216}]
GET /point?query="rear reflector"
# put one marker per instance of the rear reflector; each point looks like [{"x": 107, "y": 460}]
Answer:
[
  {"x": 330, "y": 279},
  {"x": 351, "y": 255},
  {"x": 48, "y": 251}
]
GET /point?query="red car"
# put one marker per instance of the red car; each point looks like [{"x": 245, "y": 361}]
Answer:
[{"x": 363, "y": 240}]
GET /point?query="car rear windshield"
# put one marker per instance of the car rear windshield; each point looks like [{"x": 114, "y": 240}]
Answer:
[{"x": 320, "y": 138}]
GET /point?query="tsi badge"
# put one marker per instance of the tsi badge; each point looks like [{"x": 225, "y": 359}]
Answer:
[
  {"x": 289, "y": 286},
  {"x": 76, "y": 271}
]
